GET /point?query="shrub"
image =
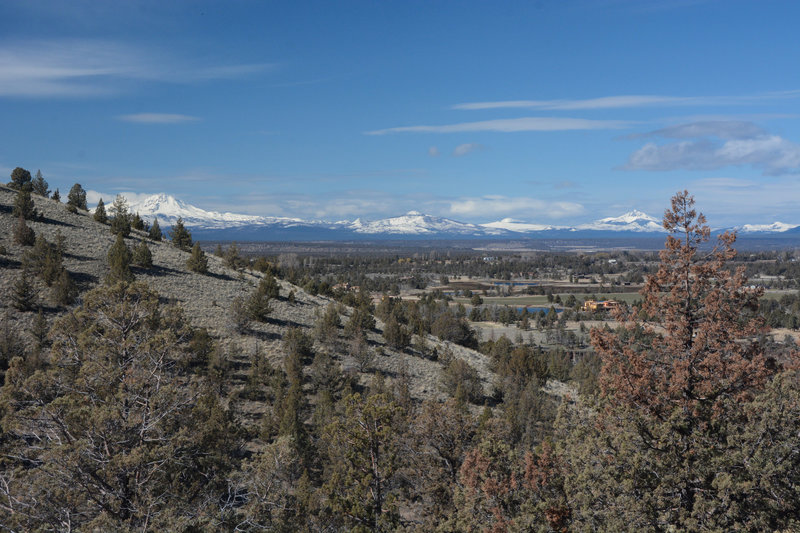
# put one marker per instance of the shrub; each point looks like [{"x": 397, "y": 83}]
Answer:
[{"x": 119, "y": 262}]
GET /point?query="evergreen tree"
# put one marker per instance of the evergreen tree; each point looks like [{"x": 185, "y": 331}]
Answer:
[
  {"x": 197, "y": 262},
  {"x": 39, "y": 329},
  {"x": 142, "y": 256},
  {"x": 120, "y": 217},
  {"x": 100, "y": 212},
  {"x": 130, "y": 443},
  {"x": 20, "y": 179},
  {"x": 119, "y": 262},
  {"x": 137, "y": 222},
  {"x": 363, "y": 462},
  {"x": 56, "y": 196},
  {"x": 24, "y": 294},
  {"x": 77, "y": 197},
  {"x": 23, "y": 205},
  {"x": 45, "y": 260},
  {"x": 64, "y": 290},
  {"x": 40, "y": 186},
  {"x": 674, "y": 395},
  {"x": 155, "y": 231},
  {"x": 181, "y": 236},
  {"x": 23, "y": 234}
]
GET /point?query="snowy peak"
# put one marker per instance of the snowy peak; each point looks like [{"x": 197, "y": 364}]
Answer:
[
  {"x": 509, "y": 224},
  {"x": 414, "y": 223},
  {"x": 167, "y": 209},
  {"x": 635, "y": 220},
  {"x": 775, "y": 227}
]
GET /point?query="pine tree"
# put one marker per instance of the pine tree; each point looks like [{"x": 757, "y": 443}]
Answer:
[
  {"x": 23, "y": 205},
  {"x": 155, "y": 231},
  {"x": 198, "y": 262},
  {"x": 100, "y": 212},
  {"x": 56, "y": 196},
  {"x": 23, "y": 234},
  {"x": 20, "y": 179},
  {"x": 77, "y": 197},
  {"x": 181, "y": 236},
  {"x": 119, "y": 262},
  {"x": 40, "y": 186},
  {"x": 39, "y": 329}
]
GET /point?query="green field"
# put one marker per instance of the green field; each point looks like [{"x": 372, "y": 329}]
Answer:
[{"x": 540, "y": 300}]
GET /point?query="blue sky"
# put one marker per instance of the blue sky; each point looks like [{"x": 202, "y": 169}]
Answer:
[{"x": 551, "y": 112}]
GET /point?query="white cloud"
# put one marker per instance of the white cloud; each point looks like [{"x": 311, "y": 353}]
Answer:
[
  {"x": 157, "y": 118},
  {"x": 434, "y": 151},
  {"x": 504, "y": 206},
  {"x": 464, "y": 149},
  {"x": 606, "y": 102},
  {"x": 79, "y": 68},
  {"x": 625, "y": 101},
  {"x": 717, "y": 145},
  {"x": 512, "y": 125}
]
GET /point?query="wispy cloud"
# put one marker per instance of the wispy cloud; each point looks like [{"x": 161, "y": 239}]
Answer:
[
  {"x": 467, "y": 148},
  {"x": 433, "y": 151},
  {"x": 80, "y": 68},
  {"x": 625, "y": 101},
  {"x": 157, "y": 118},
  {"x": 501, "y": 206},
  {"x": 512, "y": 125},
  {"x": 717, "y": 145}
]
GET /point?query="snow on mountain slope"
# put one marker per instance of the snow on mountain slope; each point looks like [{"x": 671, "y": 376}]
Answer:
[
  {"x": 510, "y": 224},
  {"x": 167, "y": 209},
  {"x": 635, "y": 220},
  {"x": 416, "y": 223},
  {"x": 775, "y": 227}
]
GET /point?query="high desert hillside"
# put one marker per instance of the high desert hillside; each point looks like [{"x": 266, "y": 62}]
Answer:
[{"x": 208, "y": 299}]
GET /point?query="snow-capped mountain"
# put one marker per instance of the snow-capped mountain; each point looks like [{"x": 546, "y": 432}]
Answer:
[
  {"x": 416, "y": 223},
  {"x": 509, "y": 224},
  {"x": 215, "y": 225},
  {"x": 631, "y": 221},
  {"x": 775, "y": 227},
  {"x": 168, "y": 209}
]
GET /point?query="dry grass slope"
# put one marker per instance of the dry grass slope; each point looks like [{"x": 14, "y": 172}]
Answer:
[{"x": 207, "y": 300}]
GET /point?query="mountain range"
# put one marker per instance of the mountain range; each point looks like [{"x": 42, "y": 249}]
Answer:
[{"x": 213, "y": 225}]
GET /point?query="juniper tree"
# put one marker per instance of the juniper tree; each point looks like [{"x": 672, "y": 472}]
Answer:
[
  {"x": 20, "y": 179},
  {"x": 77, "y": 197},
  {"x": 24, "y": 294},
  {"x": 121, "y": 440},
  {"x": 65, "y": 291},
  {"x": 120, "y": 217},
  {"x": 181, "y": 237},
  {"x": 142, "y": 256},
  {"x": 137, "y": 222},
  {"x": 675, "y": 385},
  {"x": 197, "y": 262},
  {"x": 100, "y": 212},
  {"x": 119, "y": 262},
  {"x": 40, "y": 186},
  {"x": 56, "y": 196},
  {"x": 23, "y": 234},
  {"x": 155, "y": 231},
  {"x": 23, "y": 205}
]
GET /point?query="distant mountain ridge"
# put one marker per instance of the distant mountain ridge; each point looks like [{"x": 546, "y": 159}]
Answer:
[{"x": 215, "y": 225}]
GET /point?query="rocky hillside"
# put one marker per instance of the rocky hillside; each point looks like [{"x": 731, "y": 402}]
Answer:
[{"x": 207, "y": 300}]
